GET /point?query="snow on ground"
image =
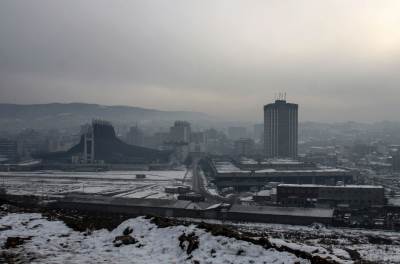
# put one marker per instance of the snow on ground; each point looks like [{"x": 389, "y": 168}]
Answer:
[
  {"x": 110, "y": 183},
  {"x": 54, "y": 242},
  {"x": 116, "y": 175},
  {"x": 227, "y": 167},
  {"x": 338, "y": 255},
  {"x": 372, "y": 245}
]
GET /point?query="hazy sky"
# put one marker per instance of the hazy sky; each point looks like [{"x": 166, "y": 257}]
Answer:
[{"x": 340, "y": 60}]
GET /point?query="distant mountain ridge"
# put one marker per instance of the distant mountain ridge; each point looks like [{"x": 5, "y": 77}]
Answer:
[{"x": 60, "y": 115}]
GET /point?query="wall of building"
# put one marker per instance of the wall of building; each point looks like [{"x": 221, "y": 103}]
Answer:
[
  {"x": 9, "y": 149},
  {"x": 361, "y": 196},
  {"x": 281, "y": 130},
  {"x": 192, "y": 213}
]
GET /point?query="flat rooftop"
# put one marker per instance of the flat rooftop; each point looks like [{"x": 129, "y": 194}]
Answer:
[
  {"x": 227, "y": 168},
  {"x": 332, "y": 186},
  {"x": 283, "y": 211},
  {"x": 264, "y": 193},
  {"x": 158, "y": 203},
  {"x": 271, "y": 161},
  {"x": 106, "y": 200},
  {"x": 302, "y": 170}
]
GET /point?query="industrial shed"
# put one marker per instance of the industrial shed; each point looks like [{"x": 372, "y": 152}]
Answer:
[
  {"x": 177, "y": 208},
  {"x": 283, "y": 215}
]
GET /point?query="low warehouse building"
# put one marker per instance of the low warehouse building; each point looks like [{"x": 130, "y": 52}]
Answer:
[
  {"x": 179, "y": 208},
  {"x": 283, "y": 215},
  {"x": 227, "y": 174}
]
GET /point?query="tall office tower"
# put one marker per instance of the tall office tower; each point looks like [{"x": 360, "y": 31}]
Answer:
[{"x": 280, "y": 129}]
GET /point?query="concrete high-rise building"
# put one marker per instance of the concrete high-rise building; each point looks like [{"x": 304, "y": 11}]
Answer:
[
  {"x": 281, "y": 129},
  {"x": 8, "y": 149},
  {"x": 396, "y": 161},
  {"x": 244, "y": 147},
  {"x": 198, "y": 142},
  {"x": 258, "y": 132},
  {"x": 180, "y": 132}
]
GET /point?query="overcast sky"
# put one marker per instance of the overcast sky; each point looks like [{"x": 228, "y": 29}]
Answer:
[{"x": 340, "y": 60}]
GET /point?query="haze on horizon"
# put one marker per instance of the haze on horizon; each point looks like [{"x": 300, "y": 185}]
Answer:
[{"x": 340, "y": 60}]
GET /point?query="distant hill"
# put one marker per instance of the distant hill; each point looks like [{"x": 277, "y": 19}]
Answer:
[{"x": 60, "y": 115}]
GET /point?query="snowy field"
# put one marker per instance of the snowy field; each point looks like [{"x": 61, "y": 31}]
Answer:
[
  {"x": 67, "y": 246},
  {"x": 111, "y": 183},
  {"x": 54, "y": 242}
]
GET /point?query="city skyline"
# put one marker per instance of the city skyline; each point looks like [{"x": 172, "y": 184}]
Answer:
[
  {"x": 214, "y": 131},
  {"x": 339, "y": 60}
]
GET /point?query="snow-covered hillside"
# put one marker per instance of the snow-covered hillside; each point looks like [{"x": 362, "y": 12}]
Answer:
[
  {"x": 32, "y": 238},
  {"x": 54, "y": 242}
]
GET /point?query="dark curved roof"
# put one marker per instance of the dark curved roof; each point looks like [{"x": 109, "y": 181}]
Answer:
[{"x": 110, "y": 149}]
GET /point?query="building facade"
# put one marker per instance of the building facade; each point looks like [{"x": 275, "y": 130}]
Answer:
[
  {"x": 244, "y": 147},
  {"x": 227, "y": 174},
  {"x": 396, "y": 161},
  {"x": 358, "y": 196},
  {"x": 9, "y": 149},
  {"x": 180, "y": 132},
  {"x": 198, "y": 142},
  {"x": 281, "y": 130}
]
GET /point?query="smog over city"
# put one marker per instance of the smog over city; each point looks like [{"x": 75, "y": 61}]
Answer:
[{"x": 200, "y": 131}]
